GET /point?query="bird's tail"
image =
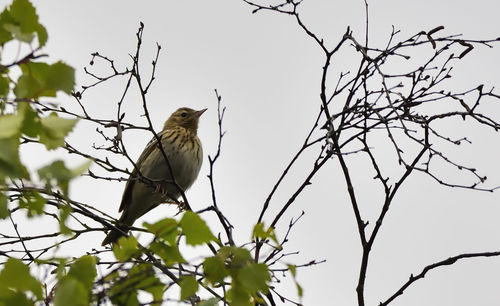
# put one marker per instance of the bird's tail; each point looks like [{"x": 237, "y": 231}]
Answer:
[{"x": 114, "y": 234}]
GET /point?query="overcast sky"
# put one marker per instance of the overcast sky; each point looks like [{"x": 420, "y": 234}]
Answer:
[{"x": 267, "y": 71}]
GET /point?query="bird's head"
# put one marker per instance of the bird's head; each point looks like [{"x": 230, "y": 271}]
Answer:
[{"x": 184, "y": 117}]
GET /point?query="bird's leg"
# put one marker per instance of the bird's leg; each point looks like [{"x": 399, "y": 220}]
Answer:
[
  {"x": 159, "y": 188},
  {"x": 181, "y": 206}
]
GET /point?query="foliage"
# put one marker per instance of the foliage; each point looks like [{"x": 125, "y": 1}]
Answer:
[{"x": 351, "y": 114}]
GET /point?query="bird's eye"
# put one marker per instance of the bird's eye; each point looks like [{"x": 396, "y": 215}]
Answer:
[{"x": 184, "y": 114}]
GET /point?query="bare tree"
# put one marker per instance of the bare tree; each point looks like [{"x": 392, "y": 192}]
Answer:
[{"x": 383, "y": 105}]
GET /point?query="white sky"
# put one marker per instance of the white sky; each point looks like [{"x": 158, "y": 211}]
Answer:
[{"x": 267, "y": 71}]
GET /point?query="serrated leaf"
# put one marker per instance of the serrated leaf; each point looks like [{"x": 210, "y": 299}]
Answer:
[
  {"x": 33, "y": 202},
  {"x": 255, "y": 277},
  {"x": 83, "y": 269},
  {"x": 195, "y": 229},
  {"x": 16, "y": 276},
  {"x": 125, "y": 288},
  {"x": 215, "y": 270},
  {"x": 168, "y": 253},
  {"x": 18, "y": 32},
  {"x": 28, "y": 87},
  {"x": 58, "y": 172},
  {"x": 166, "y": 229},
  {"x": 41, "y": 79},
  {"x": 42, "y": 35},
  {"x": 10, "y": 125},
  {"x": 24, "y": 14},
  {"x": 60, "y": 270},
  {"x": 38, "y": 70},
  {"x": 126, "y": 298},
  {"x": 71, "y": 292},
  {"x": 189, "y": 286},
  {"x": 5, "y": 18},
  {"x": 260, "y": 232},
  {"x": 32, "y": 126},
  {"x": 79, "y": 170},
  {"x": 125, "y": 248},
  {"x": 237, "y": 296},
  {"x": 60, "y": 77},
  {"x": 209, "y": 302},
  {"x": 4, "y": 86},
  {"x": 10, "y": 164},
  {"x": 54, "y": 130},
  {"x": 4, "y": 209},
  {"x": 11, "y": 297},
  {"x": 239, "y": 256},
  {"x": 64, "y": 211},
  {"x": 144, "y": 278}
]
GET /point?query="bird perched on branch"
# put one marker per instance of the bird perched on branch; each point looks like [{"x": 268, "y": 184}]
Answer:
[{"x": 156, "y": 179}]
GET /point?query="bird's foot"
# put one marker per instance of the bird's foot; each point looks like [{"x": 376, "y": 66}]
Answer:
[{"x": 180, "y": 206}]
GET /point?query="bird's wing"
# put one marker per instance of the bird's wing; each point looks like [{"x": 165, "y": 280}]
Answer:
[{"x": 127, "y": 193}]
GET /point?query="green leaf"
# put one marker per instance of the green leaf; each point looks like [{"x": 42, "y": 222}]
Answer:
[
  {"x": 166, "y": 229},
  {"x": 60, "y": 270},
  {"x": 144, "y": 278},
  {"x": 209, "y": 302},
  {"x": 4, "y": 86},
  {"x": 79, "y": 170},
  {"x": 60, "y": 77},
  {"x": 29, "y": 87},
  {"x": 57, "y": 172},
  {"x": 125, "y": 298},
  {"x": 126, "y": 248},
  {"x": 21, "y": 21},
  {"x": 71, "y": 292},
  {"x": 18, "y": 32},
  {"x": 31, "y": 124},
  {"x": 300, "y": 291},
  {"x": 25, "y": 15},
  {"x": 41, "y": 32},
  {"x": 189, "y": 286},
  {"x": 11, "y": 297},
  {"x": 38, "y": 71},
  {"x": 293, "y": 271},
  {"x": 54, "y": 130},
  {"x": 33, "y": 202},
  {"x": 215, "y": 270},
  {"x": 255, "y": 277},
  {"x": 195, "y": 229},
  {"x": 168, "y": 253},
  {"x": 4, "y": 209},
  {"x": 239, "y": 256},
  {"x": 237, "y": 296},
  {"x": 259, "y": 232},
  {"x": 10, "y": 164},
  {"x": 140, "y": 277},
  {"x": 84, "y": 271},
  {"x": 5, "y": 18},
  {"x": 64, "y": 211},
  {"x": 10, "y": 125},
  {"x": 16, "y": 276},
  {"x": 42, "y": 79}
]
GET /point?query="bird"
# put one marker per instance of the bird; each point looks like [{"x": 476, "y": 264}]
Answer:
[{"x": 184, "y": 153}]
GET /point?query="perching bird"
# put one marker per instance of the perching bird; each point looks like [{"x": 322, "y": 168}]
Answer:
[{"x": 183, "y": 149}]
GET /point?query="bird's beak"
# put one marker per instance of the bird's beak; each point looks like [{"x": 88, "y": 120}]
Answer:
[{"x": 197, "y": 114}]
